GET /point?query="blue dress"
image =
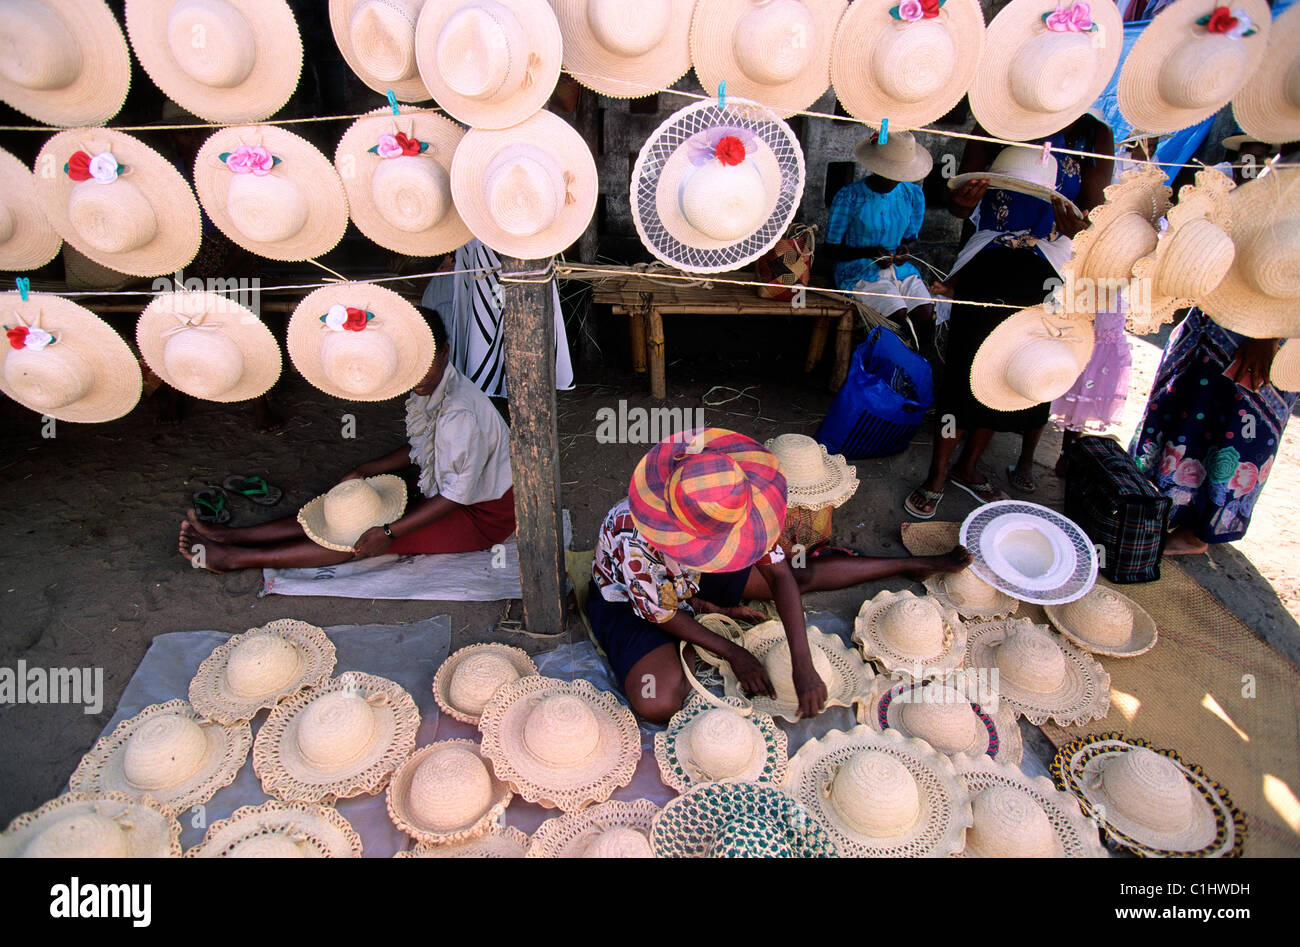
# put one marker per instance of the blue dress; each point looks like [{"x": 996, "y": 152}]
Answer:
[{"x": 861, "y": 217}]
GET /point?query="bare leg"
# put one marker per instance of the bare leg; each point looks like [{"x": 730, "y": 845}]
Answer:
[
  {"x": 940, "y": 454},
  {"x": 223, "y": 557},
  {"x": 1023, "y": 477},
  {"x": 283, "y": 530},
  {"x": 1183, "y": 542},
  {"x": 827, "y": 573},
  {"x": 656, "y": 686},
  {"x": 967, "y": 468},
  {"x": 1067, "y": 438}
]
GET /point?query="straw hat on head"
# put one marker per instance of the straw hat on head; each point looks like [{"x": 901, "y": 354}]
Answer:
[
  {"x": 339, "y": 517},
  {"x": 166, "y": 751},
  {"x": 612, "y": 829},
  {"x": 224, "y": 60},
  {"x": 1268, "y": 104},
  {"x": 914, "y": 637},
  {"x": 1030, "y": 551},
  {"x": 970, "y": 595},
  {"x": 626, "y": 49},
  {"x": 498, "y": 842},
  {"x": 94, "y": 825},
  {"x": 1122, "y": 230},
  {"x": 119, "y": 202},
  {"x": 1190, "y": 61},
  {"x": 445, "y": 793},
  {"x": 27, "y": 241},
  {"x": 66, "y": 63},
  {"x": 814, "y": 479},
  {"x": 715, "y": 188},
  {"x": 941, "y": 714},
  {"x": 1023, "y": 170},
  {"x": 909, "y": 63},
  {"x": 1032, "y": 357},
  {"x": 65, "y": 362},
  {"x": 489, "y": 63},
  {"x": 1105, "y": 622},
  {"x": 706, "y": 743},
  {"x": 1285, "y": 373},
  {"x": 280, "y": 830},
  {"x": 360, "y": 342},
  {"x": 738, "y": 820},
  {"x": 470, "y": 677},
  {"x": 1235, "y": 142},
  {"x": 377, "y": 40},
  {"x": 901, "y": 158}
]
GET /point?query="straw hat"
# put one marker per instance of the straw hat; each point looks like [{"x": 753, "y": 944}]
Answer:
[
  {"x": 1105, "y": 622},
  {"x": 337, "y": 518},
  {"x": 527, "y": 191},
  {"x": 1033, "y": 356},
  {"x": 1189, "y": 62},
  {"x": 612, "y": 829},
  {"x": 1147, "y": 800},
  {"x": 942, "y": 714},
  {"x": 280, "y": 830},
  {"x": 399, "y": 188},
  {"x": 1285, "y": 373},
  {"x": 738, "y": 820},
  {"x": 445, "y": 793},
  {"x": 913, "y": 637},
  {"x": 65, "y": 362},
  {"x": 1268, "y": 105},
  {"x": 1038, "y": 674},
  {"x": 626, "y": 49},
  {"x": 166, "y": 751},
  {"x": 489, "y": 63},
  {"x": 970, "y": 595},
  {"x": 814, "y": 479},
  {"x": 882, "y": 795},
  {"x": 94, "y": 825},
  {"x": 1030, "y": 551},
  {"x": 1122, "y": 230},
  {"x": 380, "y": 358},
  {"x": 27, "y": 241},
  {"x": 1044, "y": 65},
  {"x": 777, "y": 52},
  {"x": 260, "y": 668},
  {"x": 271, "y": 192},
  {"x": 377, "y": 40},
  {"x": 714, "y": 189},
  {"x": 910, "y": 71},
  {"x": 66, "y": 63},
  {"x": 226, "y": 61},
  {"x": 706, "y": 743},
  {"x": 560, "y": 744},
  {"x": 469, "y": 678},
  {"x": 1019, "y": 816},
  {"x": 498, "y": 842},
  {"x": 901, "y": 158},
  {"x": 1023, "y": 170},
  {"x": 118, "y": 201}
]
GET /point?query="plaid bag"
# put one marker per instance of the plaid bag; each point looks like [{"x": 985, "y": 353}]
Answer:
[
  {"x": 787, "y": 264},
  {"x": 1119, "y": 509}
]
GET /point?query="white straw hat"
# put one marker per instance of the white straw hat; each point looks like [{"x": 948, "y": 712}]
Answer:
[
  {"x": 498, "y": 842},
  {"x": 1033, "y": 356},
  {"x": 1030, "y": 551},
  {"x": 707, "y": 743},
  {"x": 377, "y": 40},
  {"x": 341, "y": 739},
  {"x": 66, "y": 62},
  {"x": 909, "y": 63},
  {"x": 280, "y": 830},
  {"x": 1268, "y": 105},
  {"x": 93, "y": 825},
  {"x": 468, "y": 679},
  {"x": 612, "y": 829},
  {"x": 914, "y": 637},
  {"x": 1120, "y": 231},
  {"x": 901, "y": 158},
  {"x": 814, "y": 479},
  {"x": 379, "y": 358},
  {"x": 1023, "y": 170},
  {"x": 943, "y": 715},
  {"x": 27, "y": 241},
  {"x": 714, "y": 189},
  {"x": 445, "y": 793},
  {"x": 738, "y": 820},
  {"x": 1105, "y": 622},
  {"x": 260, "y": 668},
  {"x": 970, "y": 595},
  {"x": 226, "y": 61},
  {"x": 489, "y": 63},
  {"x": 1285, "y": 373},
  {"x": 1189, "y": 63},
  {"x": 339, "y": 517},
  {"x": 166, "y": 751},
  {"x": 118, "y": 201},
  {"x": 626, "y": 49},
  {"x": 64, "y": 361}
]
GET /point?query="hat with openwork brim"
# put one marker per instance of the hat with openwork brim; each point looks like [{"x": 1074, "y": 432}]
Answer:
[
  {"x": 498, "y": 842},
  {"x": 814, "y": 478},
  {"x": 970, "y": 595},
  {"x": 705, "y": 742},
  {"x": 446, "y": 793},
  {"x": 471, "y": 676},
  {"x": 280, "y": 830},
  {"x": 94, "y": 825},
  {"x": 910, "y": 635},
  {"x": 943, "y": 714},
  {"x": 612, "y": 829},
  {"x": 1120, "y": 231},
  {"x": 738, "y": 820}
]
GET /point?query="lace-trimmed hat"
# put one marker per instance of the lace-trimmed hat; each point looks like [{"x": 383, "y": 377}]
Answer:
[
  {"x": 1122, "y": 230},
  {"x": 943, "y": 715},
  {"x": 911, "y": 636},
  {"x": 1030, "y": 551},
  {"x": 738, "y": 820},
  {"x": 470, "y": 677},
  {"x": 814, "y": 478},
  {"x": 497, "y": 842},
  {"x": 706, "y": 743},
  {"x": 94, "y": 825},
  {"x": 445, "y": 793},
  {"x": 970, "y": 595},
  {"x": 280, "y": 830},
  {"x": 612, "y": 829}
]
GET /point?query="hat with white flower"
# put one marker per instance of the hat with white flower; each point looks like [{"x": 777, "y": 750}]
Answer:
[
  {"x": 278, "y": 829},
  {"x": 626, "y": 49},
  {"x": 93, "y": 825},
  {"x": 1268, "y": 106},
  {"x": 27, "y": 241},
  {"x": 377, "y": 40}
]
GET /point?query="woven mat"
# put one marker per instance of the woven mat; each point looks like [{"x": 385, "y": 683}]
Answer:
[{"x": 1210, "y": 689}]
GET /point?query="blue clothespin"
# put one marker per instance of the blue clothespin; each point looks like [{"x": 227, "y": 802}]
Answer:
[
  {"x": 883, "y": 137},
  {"x": 24, "y": 286},
  {"x": 392, "y": 102},
  {"x": 722, "y": 94}
]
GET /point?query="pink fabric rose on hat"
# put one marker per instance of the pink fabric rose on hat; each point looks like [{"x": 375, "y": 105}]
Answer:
[
  {"x": 388, "y": 147},
  {"x": 1076, "y": 18},
  {"x": 909, "y": 11},
  {"x": 250, "y": 159}
]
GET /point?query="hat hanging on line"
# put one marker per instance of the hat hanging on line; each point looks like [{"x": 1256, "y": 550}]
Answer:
[
  {"x": 814, "y": 478},
  {"x": 1033, "y": 356},
  {"x": 1022, "y": 169},
  {"x": 226, "y": 61},
  {"x": 909, "y": 61},
  {"x": 67, "y": 62},
  {"x": 738, "y": 820},
  {"x": 942, "y": 714},
  {"x": 1030, "y": 551},
  {"x": 970, "y": 595},
  {"x": 1190, "y": 61},
  {"x": 471, "y": 676},
  {"x": 1268, "y": 105},
  {"x": 915, "y": 637},
  {"x": 377, "y": 40},
  {"x": 612, "y": 829},
  {"x": 705, "y": 743},
  {"x": 338, "y": 518},
  {"x": 498, "y": 842},
  {"x": 278, "y": 829},
  {"x": 27, "y": 241},
  {"x": 715, "y": 188},
  {"x": 1120, "y": 231},
  {"x": 1105, "y": 621},
  {"x": 1285, "y": 373},
  {"x": 901, "y": 158},
  {"x": 626, "y": 49},
  {"x": 93, "y": 825},
  {"x": 446, "y": 793}
]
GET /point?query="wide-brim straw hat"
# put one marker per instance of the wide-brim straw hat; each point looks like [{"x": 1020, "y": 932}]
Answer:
[
  {"x": 489, "y": 63},
  {"x": 74, "y": 69},
  {"x": 707, "y": 743},
  {"x": 901, "y": 158},
  {"x": 970, "y": 595},
  {"x": 1030, "y": 551},
  {"x": 27, "y": 241},
  {"x": 86, "y": 374},
  {"x": 1285, "y": 373},
  {"x": 1149, "y": 801},
  {"x": 913, "y": 636},
  {"x": 384, "y": 359},
  {"x": 1033, "y": 356},
  {"x": 166, "y": 751},
  {"x": 290, "y": 206},
  {"x": 1121, "y": 230},
  {"x": 1033, "y": 80},
  {"x": 882, "y": 795},
  {"x": 1178, "y": 72},
  {"x": 910, "y": 72},
  {"x": 498, "y": 842},
  {"x": 715, "y": 188},
  {"x": 560, "y": 744},
  {"x": 626, "y": 49},
  {"x": 401, "y": 200},
  {"x": 339, "y": 517},
  {"x": 1019, "y": 816},
  {"x": 1039, "y": 674},
  {"x": 141, "y": 219},
  {"x": 1268, "y": 105},
  {"x": 278, "y": 829},
  {"x": 471, "y": 676},
  {"x": 377, "y": 40},
  {"x": 446, "y": 793},
  {"x": 738, "y": 820},
  {"x": 259, "y": 668},
  {"x": 1107, "y": 622},
  {"x": 943, "y": 715},
  {"x": 227, "y": 61},
  {"x": 94, "y": 825},
  {"x": 814, "y": 478},
  {"x": 1023, "y": 170},
  {"x": 612, "y": 829}
]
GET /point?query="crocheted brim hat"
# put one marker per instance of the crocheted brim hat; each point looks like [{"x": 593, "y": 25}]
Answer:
[
  {"x": 468, "y": 679},
  {"x": 1033, "y": 356},
  {"x": 377, "y": 40},
  {"x": 94, "y": 825},
  {"x": 445, "y": 793},
  {"x": 612, "y": 829},
  {"x": 341, "y": 739},
  {"x": 560, "y": 744},
  {"x": 944, "y": 716},
  {"x": 338, "y": 518},
  {"x": 280, "y": 830},
  {"x": 626, "y": 49},
  {"x": 260, "y": 668},
  {"x": 1285, "y": 373},
  {"x": 1030, "y": 551},
  {"x": 814, "y": 479},
  {"x": 707, "y": 743},
  {"x": 27, "y": 241},
  {"x": 1105, "y": 622},
  {"x": 166, "y": 751},
  {"x": 901, "y": 158},
  {"x": 882, "y": 795},
  {"x": 970, "y": 595},
  {"x": 1268, "y": 105},
  {"x": 715, "y": 188},
  {"x": 498, "y": 842},
  {"x": 1120, "y": 231},
  {"x": 911, "y": 636},
  {"x": 1023, "y": 170},
  {"x": 738, "y": 820},
  {"x": 1149, "y": 801}
]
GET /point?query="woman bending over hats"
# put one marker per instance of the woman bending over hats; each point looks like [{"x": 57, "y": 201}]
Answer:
[
  {"x": 459, "y": 448},
  {"x": 697, "y": 533}
]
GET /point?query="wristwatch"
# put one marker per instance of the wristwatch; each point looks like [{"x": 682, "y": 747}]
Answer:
[{"x": 387, "y": 532}]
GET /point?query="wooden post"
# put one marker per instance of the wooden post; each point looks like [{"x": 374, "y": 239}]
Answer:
[
  {"x": 654, "y": 343},
  {"x": 528, "y": 324},
  {"x": 843, "y": 350},
  {"x": 817, "y": 343}
]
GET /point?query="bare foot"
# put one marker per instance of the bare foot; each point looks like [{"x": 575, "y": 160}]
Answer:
[
  {"x": 220, "y": 534},
  {"x": 201, "y": 552},
  {"x": 1183, "y": 542},
  {"x": 956, "y": 559},
  {"x": 265, "y": 418},
  {"x": 922, "y": 502}
]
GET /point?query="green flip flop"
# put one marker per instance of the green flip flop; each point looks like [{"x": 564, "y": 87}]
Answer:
[
  {"x": 210, "y": 506},
  {"x": 253, "y": 488}
]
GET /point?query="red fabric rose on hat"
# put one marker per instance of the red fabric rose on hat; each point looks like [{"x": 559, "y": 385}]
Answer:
[
  {"x": 78, "y": 166},
  {"x": 1221, "y": 20},
  {"x": 410, "y": 146},
  {"x": 17, "y": 337},
  {"x": 356, "y": 320},
  {"x": 730, "y": 150},
  {"x": 930, "y": 9}
]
